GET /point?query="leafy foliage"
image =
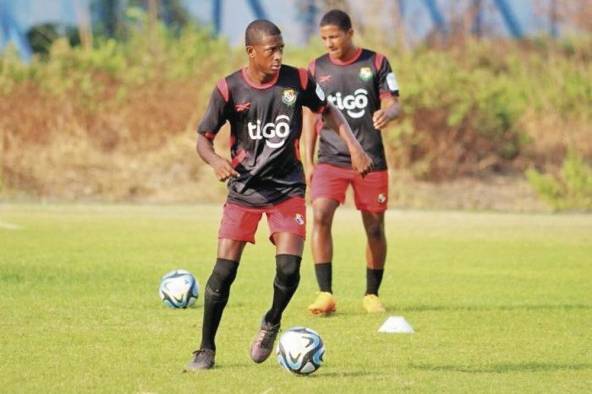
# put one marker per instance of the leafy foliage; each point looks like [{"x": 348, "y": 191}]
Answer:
[{"x": 571, "y": 188}]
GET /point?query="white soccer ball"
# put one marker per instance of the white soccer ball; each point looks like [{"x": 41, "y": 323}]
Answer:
[
  {"x": 300, "y": 350},
  {"x": 178, "y": 289}
]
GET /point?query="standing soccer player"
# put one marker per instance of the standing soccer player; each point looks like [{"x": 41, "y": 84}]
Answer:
[
  {"x": 263, "y": 104},
  {"x": 362, "y": 85}
]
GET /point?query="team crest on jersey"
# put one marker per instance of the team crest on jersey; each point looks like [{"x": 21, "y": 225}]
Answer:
[
  {"x": 289, "y": 97},
  {"x": 381, "y": 198},
  {"x": 365, "y": 73},
  {"x": 299, "y": 219}
]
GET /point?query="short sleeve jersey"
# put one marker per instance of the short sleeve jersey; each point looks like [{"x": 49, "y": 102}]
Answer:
[
  {"x": 265, "y": 128},
  {"x": 355, "y": 87}
]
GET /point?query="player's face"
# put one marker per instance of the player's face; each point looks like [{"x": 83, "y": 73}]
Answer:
[
  {"x": 266, "y": 55},
  {"x": 338, "y": 43}
]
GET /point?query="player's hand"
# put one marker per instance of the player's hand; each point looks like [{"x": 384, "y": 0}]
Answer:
[
  {"x": 380, "y": 119},
  {"x": 361, "y": 162},
  {"x": 223, "y": 169}
]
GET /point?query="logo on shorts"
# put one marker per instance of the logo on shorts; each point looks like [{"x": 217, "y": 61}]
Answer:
[
  {"x": 381, "y": 198},
  {"x": 365, "y": 73},
  {"x": 299, "y": 219},
  {"x": 289, "y": 97}
]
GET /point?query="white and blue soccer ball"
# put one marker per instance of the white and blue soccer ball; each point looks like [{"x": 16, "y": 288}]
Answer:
[
  {"x": 178, "y": 289},
  {"x": 300, "y": 350}
]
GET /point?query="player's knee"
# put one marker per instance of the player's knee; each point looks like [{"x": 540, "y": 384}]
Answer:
[
  {"x": 288, "y": 269},
  {"x": 322, "y": 218},
  {"x": 222, "y": 277},
  {"x": 375, "y": 232}
]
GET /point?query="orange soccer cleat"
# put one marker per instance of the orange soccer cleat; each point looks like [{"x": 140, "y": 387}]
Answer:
[{"x": 323, "y": 305}]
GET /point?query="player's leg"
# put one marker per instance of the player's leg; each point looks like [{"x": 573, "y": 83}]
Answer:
[
  {"x": 237, "y": 228},
  {"x": 329, "y": 184},
  {"x": 322, "y": 251},
  {"x": 217, "y": 289},
  {"x": 370, "y": 196},
  {"x": 287, "y": 226},
  {"x": 375, "y": 258}
]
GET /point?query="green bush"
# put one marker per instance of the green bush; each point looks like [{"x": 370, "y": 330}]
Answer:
[{"x": 571, "y": 188}]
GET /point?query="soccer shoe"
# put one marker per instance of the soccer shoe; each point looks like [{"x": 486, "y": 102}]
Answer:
[
  {"x": 323, "y": 305},
  {"x": 202, "y": 359},
  {"x": 263, "y": 343},
  {"x": 372, "y": 304}
]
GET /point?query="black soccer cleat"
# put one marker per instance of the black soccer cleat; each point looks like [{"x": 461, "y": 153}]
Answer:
[
  {"x": 202, "y": 359},
  {"x": 263, "y": 343}
]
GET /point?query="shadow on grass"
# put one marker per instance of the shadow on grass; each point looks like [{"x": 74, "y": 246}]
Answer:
[
  {"x": 525, "y": 307},
  {"x": 504, "y": 367}
]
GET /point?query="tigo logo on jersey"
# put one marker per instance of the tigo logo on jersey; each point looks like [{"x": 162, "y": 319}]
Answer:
[
  {"x": 355, "y": 105},
  {"x": 365, "y": 73},
  {"x": 274, "y": 133},
  {"x": 289, "y": 97}
]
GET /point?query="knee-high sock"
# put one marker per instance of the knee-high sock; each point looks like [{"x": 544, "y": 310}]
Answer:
[
  {"x": 216, "y": 297},
  {"x": 373, "y": 280},
  {"x": 285, "y": 284},
  {"x": 324, "y": 274}
]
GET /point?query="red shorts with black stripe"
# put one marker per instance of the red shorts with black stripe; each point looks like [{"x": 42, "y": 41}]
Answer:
[
  {"x": 370, "y": 192},
  {"x": 239, "y": 223}
]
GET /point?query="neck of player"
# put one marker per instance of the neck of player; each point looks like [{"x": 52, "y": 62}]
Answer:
[
  {"x": 348, "y": 53},
  {"x": 258, "y": 76}
]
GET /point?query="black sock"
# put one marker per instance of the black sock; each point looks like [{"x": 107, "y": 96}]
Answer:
[
  {"x": 216, "y": 297},
  {"x": 285, "y": 284},
  {"x": 324, "y": 273},
  {"x": 373, "y": 280}
]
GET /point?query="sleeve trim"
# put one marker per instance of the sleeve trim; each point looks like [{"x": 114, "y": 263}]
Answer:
[
  {"x": 312, "y": 67},
  {"x": 223, "y": 89},
  {"x": 303, "y": 75},
  {"x": 378, "y": 59}
]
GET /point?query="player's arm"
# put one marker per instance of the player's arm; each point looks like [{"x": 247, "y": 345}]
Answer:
[
  {"x": 215, "y": 117},
  {"x": 221, "y": 166},
  {"x": 310, "y": 141},
  {"x": 390, "y": 109},
  {"x": 361, "y": 162},
  {"x": 388, "y": 86}
]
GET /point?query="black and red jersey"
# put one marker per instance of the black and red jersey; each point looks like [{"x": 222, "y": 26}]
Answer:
[
  {"x": 265, "y": 128},
  {"x": 355, "y": 87}
]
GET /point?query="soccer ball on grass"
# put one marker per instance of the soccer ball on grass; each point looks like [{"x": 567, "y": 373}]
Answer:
[
  {"x": 300, "y": 350},
  {"x": 178, "y": 289}
]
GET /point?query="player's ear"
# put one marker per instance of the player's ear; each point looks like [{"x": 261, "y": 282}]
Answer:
[
  {"x": 250, "y": 51},
  {"x": 350, "y": 33}
]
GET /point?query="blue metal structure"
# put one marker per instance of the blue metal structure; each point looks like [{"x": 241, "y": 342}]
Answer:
[
  {"x": 509, "y": 18},
  {"x": 298, "y": 19},
  {"x": 10, "y": 31},
  {"x": 255, "y": 5}
]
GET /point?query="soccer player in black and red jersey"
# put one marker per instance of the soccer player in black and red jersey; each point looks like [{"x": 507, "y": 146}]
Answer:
[
  {"x": 362, "y": 85},
  {"x": 263, "y": 104}
]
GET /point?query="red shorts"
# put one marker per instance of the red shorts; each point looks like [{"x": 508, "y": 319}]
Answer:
[
  {"x": 370, "y": 192},
  {"x": 239, "y": 223}
]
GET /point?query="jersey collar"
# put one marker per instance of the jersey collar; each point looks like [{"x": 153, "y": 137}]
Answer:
[
  {"x": 355, "y": 57},
  {"x": 257, "y": 85}
]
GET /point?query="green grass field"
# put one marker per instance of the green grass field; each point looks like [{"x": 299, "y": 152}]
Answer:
[{"x": 499, "y": 302}]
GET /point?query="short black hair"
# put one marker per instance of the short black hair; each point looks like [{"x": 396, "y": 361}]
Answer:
[
  {"x": 337, "y": 18},
  {"x": 259, "y": 28}
]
